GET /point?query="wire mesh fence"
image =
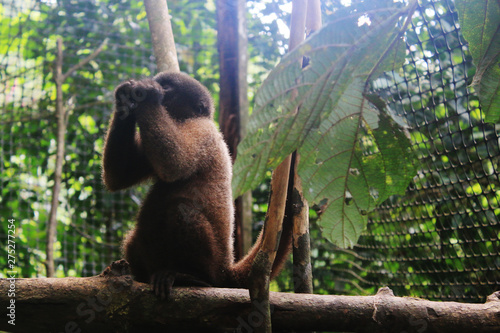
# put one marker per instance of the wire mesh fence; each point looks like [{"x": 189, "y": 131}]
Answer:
[
  {"x": 91, "y": 221},
  {"x": 440, "y": 240}
]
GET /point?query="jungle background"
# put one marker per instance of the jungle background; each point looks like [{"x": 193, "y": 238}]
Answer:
[{"x": 438, "y": 241}]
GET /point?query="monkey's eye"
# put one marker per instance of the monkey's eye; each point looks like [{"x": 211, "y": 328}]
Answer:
[{"x": 203, "y": 109}]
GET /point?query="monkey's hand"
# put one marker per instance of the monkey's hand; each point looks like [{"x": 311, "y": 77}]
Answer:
[{"x": 132, "y": 96}]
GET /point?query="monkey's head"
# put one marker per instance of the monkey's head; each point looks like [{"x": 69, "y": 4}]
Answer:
[{"x": 184, "y": 97}]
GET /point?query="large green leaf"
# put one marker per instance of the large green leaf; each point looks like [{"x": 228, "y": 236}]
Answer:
[
  {"x": 480, "y": 25},
  {"x": 352, "y": 158}
]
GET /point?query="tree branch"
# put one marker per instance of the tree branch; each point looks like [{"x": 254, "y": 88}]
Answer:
[
  {"x": 61, "y": 116},
  {"x": 162, "y": 36},
  {"x": 261, "y": 269},
  {"x": 61, "y": 131},
  {"x": 302, "y": 270},
  {"x": 83, "y": 62},
  {"x": 313, "y": 19},
  {"x": 100, "y": 304}
]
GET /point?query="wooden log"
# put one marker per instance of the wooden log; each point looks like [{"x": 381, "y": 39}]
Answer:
[{"x": 119, "y": 304}]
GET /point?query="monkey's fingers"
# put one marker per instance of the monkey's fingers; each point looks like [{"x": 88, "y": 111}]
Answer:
[{"x": 162, "y": 283}]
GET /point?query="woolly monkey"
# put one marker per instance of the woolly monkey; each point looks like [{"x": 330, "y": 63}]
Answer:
[{"x": 163, "y": 129}]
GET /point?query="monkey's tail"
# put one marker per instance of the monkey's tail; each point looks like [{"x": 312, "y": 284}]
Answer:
[{"x": 241, "y": 269}]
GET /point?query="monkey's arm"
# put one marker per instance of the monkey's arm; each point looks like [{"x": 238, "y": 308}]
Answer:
[
  {"x": 124, "y": 163},
  {"x": 176, "y": 150}
]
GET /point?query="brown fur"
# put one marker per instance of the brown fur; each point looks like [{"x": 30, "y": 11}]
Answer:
[{"x": 184, "y": 227}]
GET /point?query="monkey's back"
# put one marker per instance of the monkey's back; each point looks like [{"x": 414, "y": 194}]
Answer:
[{"x": 186, "y": 225}]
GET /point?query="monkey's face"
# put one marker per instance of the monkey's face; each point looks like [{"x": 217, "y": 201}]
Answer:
[{"x": 184, "y": 97}]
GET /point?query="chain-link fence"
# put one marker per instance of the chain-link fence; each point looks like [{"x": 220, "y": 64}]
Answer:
[{"x": 441, "y": 240}]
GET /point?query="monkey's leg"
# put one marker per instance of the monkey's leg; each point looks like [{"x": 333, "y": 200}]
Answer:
[{"x": 134, "y": 254}]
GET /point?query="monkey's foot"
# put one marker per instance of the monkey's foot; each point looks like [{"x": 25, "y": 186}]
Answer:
[
  {"x": 163, "y": 282},
  {"x": 117, "y": 268}
]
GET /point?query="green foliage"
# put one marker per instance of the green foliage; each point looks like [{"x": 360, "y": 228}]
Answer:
[
  {"x": 480, "y": 23},
  {"x": 194, "y": 26},
  {"x": 352, "y": 158}
]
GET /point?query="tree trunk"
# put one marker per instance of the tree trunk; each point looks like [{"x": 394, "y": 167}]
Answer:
[{"x": 233, "y": 102}]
